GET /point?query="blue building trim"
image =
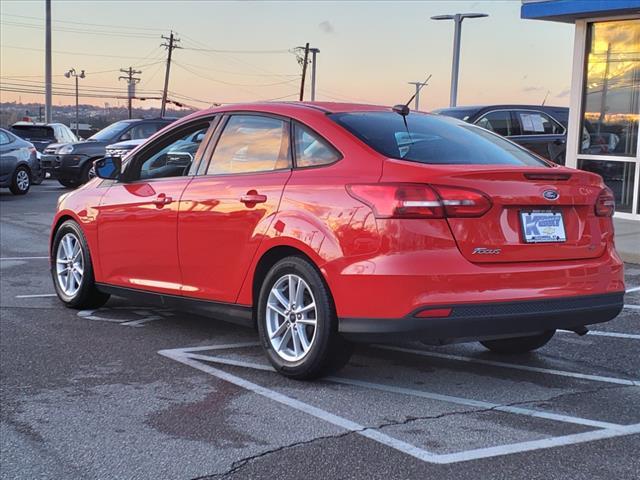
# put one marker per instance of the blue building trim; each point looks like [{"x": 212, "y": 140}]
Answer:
[{"x": 570, "y": 10}]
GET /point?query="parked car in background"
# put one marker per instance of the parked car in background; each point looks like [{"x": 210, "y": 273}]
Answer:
[
  {"x": 71, "y": 163},
  {"x": 323, "y": 224},
  {"x": 43, "y": 135},
  {"x": 18, "y": 163},
  {"x": 541, "y": 129},
  {"x": 121, "y": 149}
]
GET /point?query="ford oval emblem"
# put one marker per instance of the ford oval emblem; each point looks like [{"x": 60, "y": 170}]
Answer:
[{"x": 550, "y": 194}]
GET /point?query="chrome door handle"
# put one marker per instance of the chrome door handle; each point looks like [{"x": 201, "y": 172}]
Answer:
[
  {"x": 162, "y": 200},
  {"x": 253, "y": 198}
]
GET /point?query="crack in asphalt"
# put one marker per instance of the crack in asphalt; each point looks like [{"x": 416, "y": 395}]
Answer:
[{"x": 241, "y": 463}]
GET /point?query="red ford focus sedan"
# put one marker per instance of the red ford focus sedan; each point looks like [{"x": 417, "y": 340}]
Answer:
[{"x": 323, "y": 224}]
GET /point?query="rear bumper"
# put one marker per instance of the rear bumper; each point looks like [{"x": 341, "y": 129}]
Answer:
[{"x": 485, "y": 320}]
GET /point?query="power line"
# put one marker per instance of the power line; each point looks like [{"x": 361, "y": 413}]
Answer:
[
  {"x": 256, "y": 52},
  {"x": 80, "y": 30},
  {"x": 87, "y": 54},
  {"x": 132, "y": 27},
  {"x": 181, "y": 65}
]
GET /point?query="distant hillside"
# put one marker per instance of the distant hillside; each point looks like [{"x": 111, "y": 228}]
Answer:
[{"x": 97, "y": 117}]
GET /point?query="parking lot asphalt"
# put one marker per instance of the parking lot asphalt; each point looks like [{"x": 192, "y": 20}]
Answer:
[{"x": 128, "y": 392}]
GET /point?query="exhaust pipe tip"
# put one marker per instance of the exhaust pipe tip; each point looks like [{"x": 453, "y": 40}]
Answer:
[{"x": 582, "y": 330}]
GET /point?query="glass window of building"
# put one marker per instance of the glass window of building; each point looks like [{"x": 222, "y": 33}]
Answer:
[{"x": 612, "y": 89}]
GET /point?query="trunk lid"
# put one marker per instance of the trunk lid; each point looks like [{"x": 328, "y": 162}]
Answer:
[{"x": 499, "y": 235}]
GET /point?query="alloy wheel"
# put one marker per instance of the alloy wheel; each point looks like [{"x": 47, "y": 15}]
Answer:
[
  {"x": 69, "y": 264},
  {"x": 291, "y": 318},
  {"x": 22, "y": 180}
]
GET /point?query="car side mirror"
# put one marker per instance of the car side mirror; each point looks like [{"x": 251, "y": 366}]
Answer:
[{"x": 108, "y": 168}]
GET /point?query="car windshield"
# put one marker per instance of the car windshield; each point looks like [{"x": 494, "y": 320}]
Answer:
[
  {"x": 433, "y": 139},
  {"x": 34, "y": 132},
  {"x": 107, "y": 133}
]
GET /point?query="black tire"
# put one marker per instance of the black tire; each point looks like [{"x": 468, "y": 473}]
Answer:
[
  {"x": 87, "y": 295},
  {"x": 21, "y": 175},
  {"x": 85, "y": 173},
  {"x": 328, "y": 351},
  {"x": 519, "y": 344},
  {"x": 69, "y": 183}
]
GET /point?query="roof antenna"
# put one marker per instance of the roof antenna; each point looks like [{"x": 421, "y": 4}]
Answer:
[
  {"x": 545, "y": 97},
  {"x": 403, "y": 109}
]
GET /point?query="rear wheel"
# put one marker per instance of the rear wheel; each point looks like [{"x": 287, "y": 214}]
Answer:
[
  {"x": 519, "y": 344},
  {"x": 72, "y": 270},
  {"x": 297, "y": 322},
  {"x": 21, "y": 181}
]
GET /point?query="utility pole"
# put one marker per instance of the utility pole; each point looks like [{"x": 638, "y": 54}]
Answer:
[
  {"x": 304, "y": 70},
  {"x": 170, "y": 47},
  {"x": 69, "y": 74},
  {"x": 314, "y": 52},
  {"x": 47, "y": 64},
  {"x": 457, "y": 35},
  {"x": 131, "y": 83},
  {"x": 418, "y": 85}
]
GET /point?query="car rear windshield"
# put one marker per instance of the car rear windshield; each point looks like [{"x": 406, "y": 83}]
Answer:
[
  {"x": 34, "y": 132},
  {"x": 433, "y": 139}
]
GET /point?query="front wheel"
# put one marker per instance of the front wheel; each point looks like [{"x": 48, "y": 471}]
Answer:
[
  {"x": 519, "y": 344},
  {"x": 72, "y": 270},
  {"x": 66, "y": 182},
  {"x": 297, "y": 322}
]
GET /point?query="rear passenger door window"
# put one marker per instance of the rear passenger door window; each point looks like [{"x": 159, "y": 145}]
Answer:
[
  {"x": 538, "y": 123},
  {"x": 251, "y": 143},
  {"x": 311, "y": 150},
  {"x": 498, "y": 121}
]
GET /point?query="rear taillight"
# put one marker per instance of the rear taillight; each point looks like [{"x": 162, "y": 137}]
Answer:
[
  {"x": 605, "y": 203},
  {"x": 462, "y": 202},
  {"x": 412, "y": 200}
]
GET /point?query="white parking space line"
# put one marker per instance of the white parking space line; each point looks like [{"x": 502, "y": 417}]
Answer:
[
  {"x": 632, "y": 307},
  {"x": 539, "y": 444},
  {"x": 493, "y": 363},
  {"x": 601, "y": 333},
  {"x": 37, "y": 295},
  {"x": 23, "y": 258},
  {"x": 605, "y": 429},
  {"x": 633, "y": 289},
  {"x": 424, "y": 394}
]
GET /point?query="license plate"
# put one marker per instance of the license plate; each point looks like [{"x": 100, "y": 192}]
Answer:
[{"x": 542, "y": 226}]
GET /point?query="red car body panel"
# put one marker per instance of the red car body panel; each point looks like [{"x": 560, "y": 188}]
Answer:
[
  {"x": 206, "y": 244},
  {"x": 218, "y": 235}
]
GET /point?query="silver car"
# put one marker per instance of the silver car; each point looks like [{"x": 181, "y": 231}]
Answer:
[{"x": 18, "y": 163}]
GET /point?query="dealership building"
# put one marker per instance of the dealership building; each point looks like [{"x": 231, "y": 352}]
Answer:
[{"x": 605, "y": 91}]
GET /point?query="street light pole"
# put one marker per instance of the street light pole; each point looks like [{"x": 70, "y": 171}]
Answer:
[
  {"x": 314, "y": 53},
  {"x": 457, "y": 35},
  {"x": 69, "y": 74}
]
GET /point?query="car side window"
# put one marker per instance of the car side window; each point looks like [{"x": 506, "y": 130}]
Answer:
[
  {"x": 311, "y": 150},
  {"x": 170, "y": 157},
  {"x": 498, "y": 122},
  {"x": 538, "y": 123},
  {"x": 251, "y": 143},
  {"x": 4, "y": 138},
  {"x": 141, "y": 131}
]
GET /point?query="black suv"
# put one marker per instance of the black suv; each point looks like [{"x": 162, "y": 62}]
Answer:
[
  {"x": 541, "y": 129},
  {"x": 71, "y": 163}
]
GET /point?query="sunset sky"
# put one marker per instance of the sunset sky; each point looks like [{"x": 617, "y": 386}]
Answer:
[{"x": 369, "y": 50}]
